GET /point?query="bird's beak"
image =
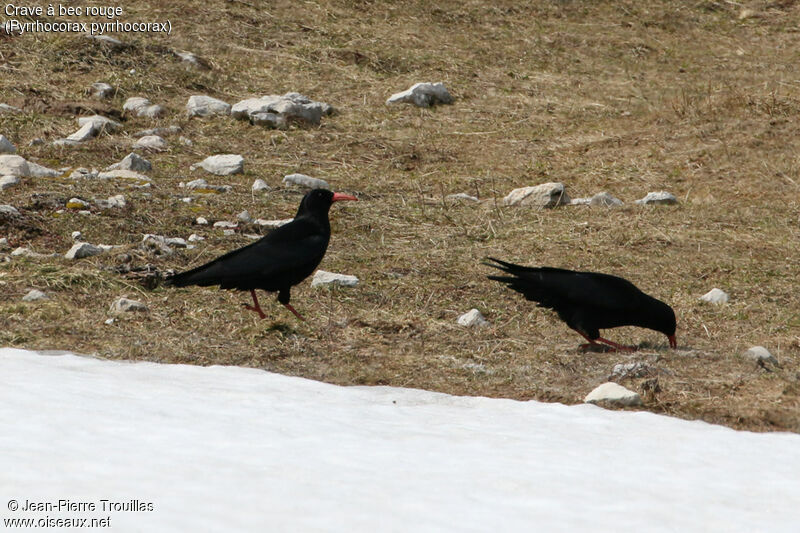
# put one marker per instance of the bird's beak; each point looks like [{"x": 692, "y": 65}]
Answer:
[
  {"x": 338, "y": 197},
  {"x": 672, "y": 342}
]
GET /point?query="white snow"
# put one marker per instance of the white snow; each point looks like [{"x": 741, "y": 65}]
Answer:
[{"x": 235, "y": 449}]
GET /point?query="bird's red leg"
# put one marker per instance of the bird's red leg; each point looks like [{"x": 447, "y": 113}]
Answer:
[
  {"x": 256, "y": 307},
  {"x": 620, "y": 347},
  {"x": 293, "y": 310},
  {"x": 588, "y": 345}
]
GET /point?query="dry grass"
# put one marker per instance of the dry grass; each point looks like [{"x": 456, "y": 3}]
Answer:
[{"x": 693, "y": 97}]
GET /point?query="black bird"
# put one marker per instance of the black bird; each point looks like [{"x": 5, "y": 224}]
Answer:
[
  {"x": 589, "y": 301},
  {"x": 284, "y": 257}
]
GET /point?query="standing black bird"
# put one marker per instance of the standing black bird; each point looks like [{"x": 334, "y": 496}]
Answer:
[
  {"x": 284, "y": 257},
  {"x": 589, "y": 301}
]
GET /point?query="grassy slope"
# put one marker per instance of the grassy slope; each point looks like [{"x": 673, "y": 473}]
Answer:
[{"x": 690, "y": 97}]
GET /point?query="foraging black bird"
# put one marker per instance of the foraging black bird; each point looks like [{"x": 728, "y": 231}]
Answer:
[
  {"x": 284, "y": 257},
  {"x": 589, "y": 301}
]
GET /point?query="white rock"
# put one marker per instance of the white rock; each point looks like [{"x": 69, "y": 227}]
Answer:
[
  {"x": 6, "y": 146},
  {"x": 83, "y": 249},
  {"x": 715, "y": 296},
  {"x": 222, "y": 165},
  {"x": 101, "y": 90},
  {"x": 199, "y": 183},
  {"x": 151, "y": 142},
  {"x": 635, "y": 369},
  {"x": 225, "y": 224},
  {"x": 580, "y": 201},
  {"x": 204, "y": 106},
  {"x": 34, "y": 295},
  {"x": 143, "y": 107},
  {"x": 229, "y": 232},
  {"x": 323, "y": 278},
  {"x": 36, "y": 141},
  {"x": 117, "y": 201},
  {"x": 461, "y": 196},
  {"x": 86, "y": 132},
  {"x": 5, "y": 108},
  {"x": 77, "y": 203},
  {"x": 192, "y": 59},
  {"x": 305, "y": 181},
  {"x": 272, "y": 223},
  {"x": 194, "y": 237},
  {"x": 132, "y": 161},
  {"x": 658, "y": 198},
  {"x": 161, "y": 132},
  {"x": 759, "y": 353},
  {"x": 178, "y": 242},
  {"x": 613, "y": 394},
  {"x": 36, "y": 170},
  {"x": 8, "y": 209},
  {"x": 244, "y": 217},
  {"x": 260, "y": 185},
  {"x": 124, "y": 305},
  {"x": 3, "y": 242},
  {"x": 106, "y": 40},
  {"x": 76, "y": 235},
  {"x": 14, "y": 165},
  {"x": 473, "y": 317},
  {"x": 124, "y": 175},
  {"x": 100, "y": 123},
  {"x": 604, "y": 199},
  {"x": 201, "y": 221},
  {"x": 8, "y": 182},
  {"x": 544, "y": 195},
  {"x": 185, "y": 141},
  {"x": 290, "y": 106},
  {"x": 423, "y": 95}
]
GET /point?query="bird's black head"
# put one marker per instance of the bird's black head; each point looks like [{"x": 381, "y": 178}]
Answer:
[
  {"x": 661, "y": 317},
  {"x": 319, "y": 201}
]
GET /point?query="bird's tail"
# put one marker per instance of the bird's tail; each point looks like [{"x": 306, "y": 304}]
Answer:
[{"x": 196, "y": 276}]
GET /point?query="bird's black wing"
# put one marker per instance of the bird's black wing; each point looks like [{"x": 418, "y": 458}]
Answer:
[
  {"x": 558, "y": 288},
  {"x": 286, "y": 253}
]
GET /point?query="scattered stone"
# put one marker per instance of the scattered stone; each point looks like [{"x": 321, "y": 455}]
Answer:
[
  {"x": 244, "y": 217},
  {"x": 161, "y": 132},
  {"x": 9, "y": 210},
  {"x": 604, "y": 199},
  {"x": 289, "y": 107},
  {"x": 222, "y": 165},
  {"x": 37, "y": 141},
  {"x": 272, "y": 223},
  {"x": 201, "y": 185},
  {"x": 143, "y": 107},
  {"x": 194, "y": 237},
  {"x": 100, "y": 123},
  {"x": 10, "y": 109},
  {"x": 260, "y": 185},
  {"x": 760, "y": 354},
  {"x": 132, "y": 161},
  {"x": 201, "y": 221},
  {"x": 6, "y": 147},
  {"x": 65, "y": 142},
  {"x": 83, "y": 249},
  {"x": 225, "y": 224},
  {"x": 111, "y": 42},
  {"x": 8, "y": 182},
  {"x": 124, "y": 305},
  {"x": 305, "y": 181},
  {"x": 580, "y": 201},
  {"x": 77, "y": 203},
  {"x": 151, "y": 142},
  {"x": 636, "y": 369},
  {"x": 34, "y": 295},
  {"x": 14, "y": 165},
  {"x": 36, "y": 170},
  {"x": 471, "y": 318},
  {"x": 116, "y": 201},
  {"x": 461, "y": 196},
  {"x": 101, "y": 90},
  {"x": 544, "y": 195},
  {"x": 192, "y": 59},
  {"x": 86, "y": 132},
  {"x": 3, "y": 242},
  {"x": 423, "y": 95},
  {"x": 658, "y": 198},
  {"x": 204, "y": 106},
  {"x": 715, "y": 296},
  {"x": 228, "y": 232},
  {"x": 611, "y": 393},
  {"x": 122, "y": 174},
  {"x": 177, "y": 242},
  {"x": 109, "y": 321},
  {"x": 185, "y": 141},
  {"x": 77, "y": 235},
  {"x": 323, "y": 279}
]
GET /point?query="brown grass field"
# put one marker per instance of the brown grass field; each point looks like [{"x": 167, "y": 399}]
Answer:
[{"x": 700, "y": 98}]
